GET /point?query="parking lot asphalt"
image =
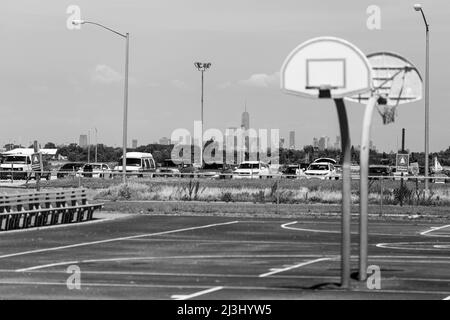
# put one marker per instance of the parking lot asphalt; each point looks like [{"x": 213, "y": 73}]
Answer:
[{"x": 193, "y": 257}]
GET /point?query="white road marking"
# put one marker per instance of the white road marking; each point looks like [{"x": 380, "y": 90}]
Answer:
[
  {"x": 47, "y": 266},
  {"x": 196, "y": 257},
  {"x": 214, "y": 275},
  {"x": 426, "y": 232},
  {"x": 196, "y": 294},
  {"x": 114, "y": 240},
  {"x": 278, "y": 270},
  {"x": 305, "y": 243},
  {"x": 447, "y": 298},
  {"x": 442, "y": 246},
  {"x": 199, "y": 257},
  {"x": 253, "y": 288},
  {"x": 287, "y": 226},
  {"x": 403, "y": 246}
]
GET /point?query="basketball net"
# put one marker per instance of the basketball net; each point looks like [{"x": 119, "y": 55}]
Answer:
[{"x": 387, "y": 112}]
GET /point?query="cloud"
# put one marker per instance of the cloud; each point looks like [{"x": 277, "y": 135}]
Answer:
[
  {"x": 261, "y": 80},
  {"x": 104, "y": 74},
  {"x": 180, "y": 85}
]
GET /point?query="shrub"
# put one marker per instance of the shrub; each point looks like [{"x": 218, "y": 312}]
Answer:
[
  {"x": 226, "y": 196},
  {"x": 259, "y": 196},
  {"x": 402, "y": 195}
]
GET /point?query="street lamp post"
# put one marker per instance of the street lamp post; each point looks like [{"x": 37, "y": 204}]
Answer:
[
  {"x": 125, "y": 103},
  {"x": 89, "y": 146},
  {"x": 96, "y": 145},
  {"x": 202, "y": 67},
  {"x": 418, "y": 7}
]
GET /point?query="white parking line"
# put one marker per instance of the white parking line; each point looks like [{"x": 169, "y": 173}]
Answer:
[
  {"x": 287, "y": 226},
  {"x": 413, "y": 246},
  {"x": 188, "y": 257},
  {"x": 425, "y": 233},
  {"x": 196, "y": 294},
  {"x": 16, "y": 283},
  {"x": 278, "y": 270},
  {"x": 114, "y": 239},
  {"x": 447, "y": 298}
]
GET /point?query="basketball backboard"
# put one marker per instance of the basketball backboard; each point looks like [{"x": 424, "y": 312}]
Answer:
[
  {"x": 326, "y": 67},
  {"x": 395, "y": 80}
]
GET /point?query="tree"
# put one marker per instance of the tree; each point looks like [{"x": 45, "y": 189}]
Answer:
[{"x": 50, "y": 145}]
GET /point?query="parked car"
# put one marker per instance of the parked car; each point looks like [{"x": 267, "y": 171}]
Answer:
[
  {"x": 251, "y": 169},
  {"x": 69, "y": 169},
  {"x": 95, "y": 170},
  {"x": 226, "y": 172},
  {"x": 321, "y": 170},
  {"x": 167, "y": 172},
  {"x": 439, "y": 177},
  {"x": 329, "y": 160},
  {"x": 168, "y": 169},
  {"x": 292, "y": 171},
  {"x": 189, "y": 171},
  {"x": 375, "y": 171}
]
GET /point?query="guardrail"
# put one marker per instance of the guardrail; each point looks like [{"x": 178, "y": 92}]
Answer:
[{"x": 30, "y": 175}]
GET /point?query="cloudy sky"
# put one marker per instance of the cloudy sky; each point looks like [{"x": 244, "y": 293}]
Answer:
[{"x": 57, "y": 83}]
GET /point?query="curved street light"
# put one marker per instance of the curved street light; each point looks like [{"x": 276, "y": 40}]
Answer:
[
  {"x": 418, "y": 7},
  {"x": 202, "y": 67},
  {"x": 125, "y": 103}
]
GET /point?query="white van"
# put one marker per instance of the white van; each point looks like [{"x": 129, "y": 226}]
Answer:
[
  {"x": 138, "y": 163},
  {"x": 18, "y": 166}
]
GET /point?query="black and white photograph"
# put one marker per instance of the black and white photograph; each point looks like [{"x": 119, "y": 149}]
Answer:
[{"x": 221, "y": 156}]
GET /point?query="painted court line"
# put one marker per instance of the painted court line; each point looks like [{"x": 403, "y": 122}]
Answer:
[
  {"x": 193, "y": 295},
  {"x": 426, "y": 232},
  {"x": 413, "y": 246},
  {"x": 254, "y": 288},
  {"x": 429, "y": 259},
  {"x": 192, "y": 257},
  {"x": 278, "y": 270},
  {"x": 114, "y": 240},
  {"x": 287, "y": 226},
  {"x": 215, "y": 275}
]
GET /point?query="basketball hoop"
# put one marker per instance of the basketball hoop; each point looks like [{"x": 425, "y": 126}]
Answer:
[{"x": 395, "y": 81}]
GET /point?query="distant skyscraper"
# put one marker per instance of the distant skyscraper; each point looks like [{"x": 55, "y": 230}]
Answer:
[
  {"x": 292, "y": 140},
  {"x": 324, "y": 142},
  {"x": 337, "y": 144},
  {"x": 315, "y": 142},
  {"x": 83, "y": 141},
  {"x": 134, "y": 143},
  {"x": 245, "y": 120},
  {"x": 245, "y": 125},
  {"x": 281, "y": 142}
]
